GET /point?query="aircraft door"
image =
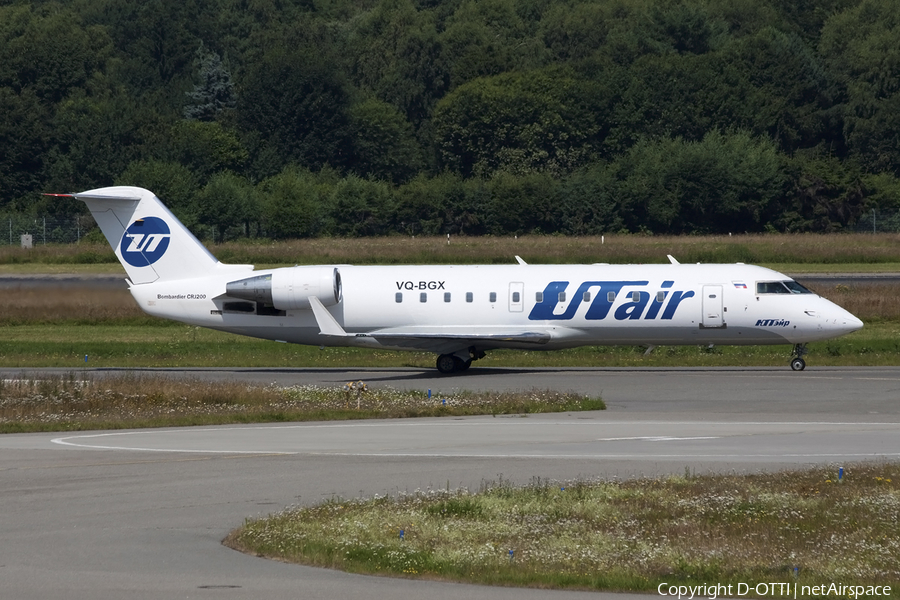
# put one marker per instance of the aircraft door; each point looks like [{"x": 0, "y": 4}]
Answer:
[
  {"x": 516, "y": 296},
  {"x": 713, "y": 314}
]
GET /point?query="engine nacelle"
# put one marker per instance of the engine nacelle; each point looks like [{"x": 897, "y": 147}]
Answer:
[{"x": 290, "y": 288}]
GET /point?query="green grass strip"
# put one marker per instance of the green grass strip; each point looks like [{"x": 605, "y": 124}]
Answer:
[
  {"x": 166, "y": 344},
  {"x": 77, "y": 402},
  {"x": 611, "y": 535}
]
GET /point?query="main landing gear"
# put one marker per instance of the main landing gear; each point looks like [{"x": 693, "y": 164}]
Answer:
[
  {"x": 797, "y": 362},
  {"x": 455, "y": 363}
]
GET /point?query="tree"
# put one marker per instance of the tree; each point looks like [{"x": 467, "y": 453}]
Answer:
[
  {"x": 768, "y": 83},
  {"x": 421, "y": 205},
  {"x": 589, "y": 203},
  {"x": 226, "y": 202},
  {"x": 442, "y": 204},
  {"x": 723, "y": 183},
  {"x": 294, "y": 109},
  {"x": 359, "y": 207},
  {"x": 96, "y": 137},
  {"x": 825, "y": 194},
  {"x": 523, "y": 204},
  {"x": 156, "y": 42},
  {"x": 396, "y": 54},
  {"x": 384, "y": 142},
  {"x": 575, "y": 32},
  {"x": 204, "y": 147},
  {"x": 486, "y": 38},
  {"x": 291, "y": 204},
  {"x": 541, "y": 121},
  {"x": 214, "y": 92},
  {"x": 685, "y": 26},
  {"x": 24, "y": 139},
  {"x": 48, "y": 52},
  {"x": 779, "y": 88},
  {"x": 860, "y": 46}
]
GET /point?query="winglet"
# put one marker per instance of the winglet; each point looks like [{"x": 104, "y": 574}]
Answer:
[
  {"x": 328, "y": 325},
  {"x": 520, "y": 261},
  {"x": 672, "y": 259}
]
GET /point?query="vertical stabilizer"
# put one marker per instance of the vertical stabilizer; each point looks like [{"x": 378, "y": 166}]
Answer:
[{"x": 148, "y": 240}]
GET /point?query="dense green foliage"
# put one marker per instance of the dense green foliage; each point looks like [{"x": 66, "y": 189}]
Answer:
[{"x": 301, "y": 118}]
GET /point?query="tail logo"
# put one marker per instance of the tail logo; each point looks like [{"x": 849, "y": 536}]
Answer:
[{"x": 145, "y": 241}]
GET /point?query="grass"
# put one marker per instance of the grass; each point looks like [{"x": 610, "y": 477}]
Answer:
[
  {"x": 164, "y": 344},
  {"x": 611, "y": 535},
  {"x": 176, "y": 345},
  {"x": 800, "y": 252},
  {"x": 76, "y": 402}
]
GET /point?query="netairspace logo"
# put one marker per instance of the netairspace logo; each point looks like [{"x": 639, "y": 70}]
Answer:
[
  {"x": 771, "y": 590},
  {"x": 145, "y": 242}
]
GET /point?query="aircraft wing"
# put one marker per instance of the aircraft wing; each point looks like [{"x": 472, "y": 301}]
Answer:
[{"x": 434, "y": 339}]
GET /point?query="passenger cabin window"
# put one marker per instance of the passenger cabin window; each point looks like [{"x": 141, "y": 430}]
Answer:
[
  {"x": 780, "y": 287},
  {"x": 660, "y": 296},
  {"x": 635, "y": 296},
  {"x": 493, "y": 296},
  {"x": 398, "y": 297},
  {"x": 468, "y": 296},
  {"x": 516, "y": 297},
  {"x": 587, "y": 297},
  {"x": 423, "y": 297},
  {"x": 539, "y": 297},
  {"x": 561, "y": 297},
  {"x": 446, "y": 296},
  {"x": 610, "y": 296}
]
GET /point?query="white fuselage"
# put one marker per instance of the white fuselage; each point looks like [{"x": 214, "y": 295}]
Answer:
[{"x": 571, "y": 305}]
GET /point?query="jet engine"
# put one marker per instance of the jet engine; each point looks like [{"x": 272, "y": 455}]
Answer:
[{"x": 290, "y": 288}]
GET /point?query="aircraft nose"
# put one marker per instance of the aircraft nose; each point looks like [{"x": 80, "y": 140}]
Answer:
[
  {"x": 845, "y": 321},
  {"x": 853, "y": 323}
]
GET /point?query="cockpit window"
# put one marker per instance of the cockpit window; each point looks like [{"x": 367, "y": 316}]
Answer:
[
  {"x": 796, "y": 288},
  {"x": 780, "y": 287}
]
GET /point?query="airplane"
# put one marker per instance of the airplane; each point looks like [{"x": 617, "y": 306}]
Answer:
[{"x": 459, "y": 312}]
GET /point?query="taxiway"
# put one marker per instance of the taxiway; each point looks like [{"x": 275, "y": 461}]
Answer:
[{"x": 140, "y": 514}]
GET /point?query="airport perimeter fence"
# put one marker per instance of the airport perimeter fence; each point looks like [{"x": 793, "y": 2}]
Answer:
[
  {"x": 68, "y": 230},
  {"x": 878, "y": 222},
  {"x": 44, "y": 230}
]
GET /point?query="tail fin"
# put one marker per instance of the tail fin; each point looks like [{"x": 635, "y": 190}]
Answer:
[{"x": 149, "y": 241}]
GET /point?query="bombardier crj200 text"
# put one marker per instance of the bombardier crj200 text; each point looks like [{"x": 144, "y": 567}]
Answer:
[{"x": 457, "y": 312}]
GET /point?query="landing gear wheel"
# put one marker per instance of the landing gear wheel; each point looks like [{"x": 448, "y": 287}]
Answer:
[
  {"x": 446, "y": 363},
  {"x": 797, "y": 362},
  {"x": 462, "y": 365}
]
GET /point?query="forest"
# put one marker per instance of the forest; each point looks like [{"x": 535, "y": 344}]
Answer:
[{"x": 302, "y": 118}]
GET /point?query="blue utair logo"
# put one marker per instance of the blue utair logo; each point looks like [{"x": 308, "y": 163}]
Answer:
[
  {"x": 772, "y": 323},
  {"x": 638, "y": 306},
  {"x": 145, "y": 241}
]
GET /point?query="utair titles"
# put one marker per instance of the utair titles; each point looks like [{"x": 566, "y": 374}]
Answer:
[{"x": 639, "y": 306}]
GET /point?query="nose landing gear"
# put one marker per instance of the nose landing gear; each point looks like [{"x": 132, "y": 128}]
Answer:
[{"x": 797, "y": 362}]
